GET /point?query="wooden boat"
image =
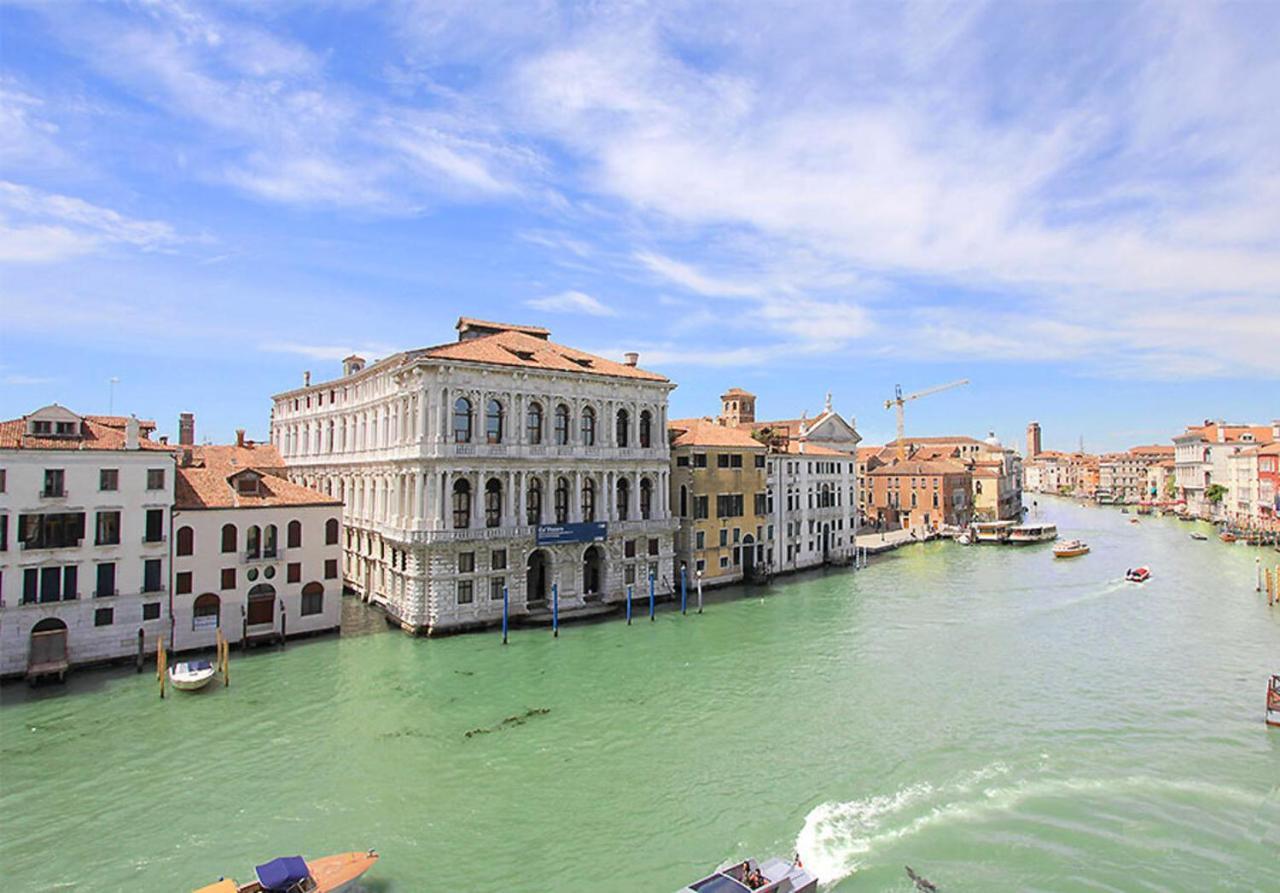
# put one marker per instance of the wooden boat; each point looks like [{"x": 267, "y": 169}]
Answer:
[
  {"x": 774, "y": 876},
  {"x": 1138, "y": 574},
  {"x": 189, "y": 675},
  {"x": 1199, "y": 536},
  {"x": 293, "y": 874},
  {"x": 1072, "y": 549},
  {"x": 1273, "y": 701},
  {"x": 1023, "y": 534}
]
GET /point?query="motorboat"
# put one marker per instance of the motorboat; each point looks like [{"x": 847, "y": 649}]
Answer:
[
  {"x": 1227, "y": 536},
  {"x": 774, "y": 876},
  {"x": 992, "y": 531},
  {"x": 293, "y": 874},
  {"x": 1134, "y": 521},
  {"x": 1138, "y": 574},
  {"x": 1273, "y": 701},
  {"x": 1199, "y": 536},
  {"x": 189, "y": 675},
  {"x": 965, "y": 537},
  {"x": 1071, "y": 549},
  {"x": 1032, "y": 533}
]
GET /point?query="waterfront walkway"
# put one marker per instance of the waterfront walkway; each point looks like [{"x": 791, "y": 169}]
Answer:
[{"x": 892, "y": 539}]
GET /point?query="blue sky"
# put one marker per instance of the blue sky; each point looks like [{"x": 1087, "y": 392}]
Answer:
[{"x": 1075, "y": 206}]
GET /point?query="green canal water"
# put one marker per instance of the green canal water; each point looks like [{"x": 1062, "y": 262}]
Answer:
[{"x": 991, "y": 717}]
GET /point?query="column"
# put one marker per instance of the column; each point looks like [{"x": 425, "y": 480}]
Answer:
[
  {"x": 477, "y": 500},
  {"x": 522, "y": 498},
  {"x": 508, "y": 499},
  {"x": 442, "y": 504},
  {"x": 420, "y": 510}
]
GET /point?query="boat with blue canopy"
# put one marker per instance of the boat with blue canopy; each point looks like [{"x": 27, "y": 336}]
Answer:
[
  {"x": 293, "y": 874},
  {"x": 189, "y": 675}
]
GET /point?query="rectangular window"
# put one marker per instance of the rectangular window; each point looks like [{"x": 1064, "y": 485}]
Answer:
[
  {"x": 312, "y": 603},
  {"x": 109, "y": 479},
  {"x": 735, "y": 461},
  {"x": 699, "y": 508},
  {"x": 498, "y": 560},
  {"x": 653, "y": 546},
  {"x": 30, "y": 586},
  {"x": 729, "y": 505},
  {"x": 699, "y": 460},
  {"x": 760, "y": 460},
  {"x": 465, "y": 596},
  {"x": 155, "y": 478},
  {"x": 761, "y": 506},
  {"x": 331, "y": 568},
  {"x": 70, "y": 581},
  {"x": 53, "y": 482},
  {"x": 151, "y": 611},
  {"x": 700, "y": 540},
  {"x": 107, "y": 529},
  {"x": 293, "y": 572},
  {"x": 701, "y": 566},
  {"x": 724, "y": 538},
  {"x": 724, "y": 561},
  {"x": 228, "y": 578},
  {"x": 466, "y": 562},
  {"x": 496, "y": 585},
  {"x": 182, "y": 583},
  {"x": 682, "y": 461},
  {"x": 3, "y": 482},
  {"x": 722, "y": 460},
  {"x": 154, "y": 532},
  {"x": 629, "y": 549},
  {"x": 104, "y": 617},
  {"x": 106, "y": 585},
  {"x": 4, "y": 533},
  {"x": 151, "y": 575},
  {"x": 50, "y": 584},
  {"x": 629, "y": 575}
]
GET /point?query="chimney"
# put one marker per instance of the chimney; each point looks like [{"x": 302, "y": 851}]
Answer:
[
  {"x": 632, "y": 357},
  {"x": 186, "y": 429},
  {"x": 239, "y": 437},
  {"x": 131, "y": 433},
  {"x": 164, "y": 439},
  {"x": 306, "y": 379},
  {"x": 1222, "y": 434}
]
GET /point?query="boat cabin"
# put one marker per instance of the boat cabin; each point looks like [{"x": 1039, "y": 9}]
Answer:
[
  {"x": 992, "y": 531},
  {"x": 1033, "y": 533},
  {"x": 777, "y": 875}
]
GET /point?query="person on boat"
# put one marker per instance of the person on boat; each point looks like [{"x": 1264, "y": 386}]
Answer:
[{"x": 755, "y": 880}]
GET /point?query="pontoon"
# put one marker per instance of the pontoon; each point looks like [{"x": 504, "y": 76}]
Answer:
[
  {"x": 992, "y": 531},
  {"x": 1033, "y": 533},
  {"x": 774, "y": 876}
]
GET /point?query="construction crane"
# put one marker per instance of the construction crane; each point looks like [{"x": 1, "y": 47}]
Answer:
[{"x": 899, "y": 400}]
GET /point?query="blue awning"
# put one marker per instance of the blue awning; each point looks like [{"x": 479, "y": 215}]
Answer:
[{"x": 282, "y": 873}]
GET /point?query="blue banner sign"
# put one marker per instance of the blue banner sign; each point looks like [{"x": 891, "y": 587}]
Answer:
[{"x": 590, "y": 532}]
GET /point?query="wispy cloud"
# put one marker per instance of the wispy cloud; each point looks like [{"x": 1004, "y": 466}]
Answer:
[
  {"x": 571, "y": 302},
  {"x": 328, "y": 351},
  {"x": 40, "y": 227}
]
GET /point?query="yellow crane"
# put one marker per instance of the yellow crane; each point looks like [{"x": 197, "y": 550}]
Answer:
[{"x": 899, "y": 400}]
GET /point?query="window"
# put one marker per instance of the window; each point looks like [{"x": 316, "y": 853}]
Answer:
[
  {"x": 155, "y": 478},
  {"x": 653, "y": 546},
  {"x": 253, "y": 542},
  {"x": 331, "y": 568},
  {"x": 294, "y": 535},
  {"x": 104, "y": 617},
  {"x": 629, "y": 548},
  {"x": 588, "y": 500},
  {"x": 646, "y": 429},
  {"x": 562, "y": 425},
  {"x": 151, "y": 611},
  {"x": 724, "y": 561},
  {"x": 107, "y": 529},
  {"x": 466, "y": 562},
  {"x": 629, "y": 575},
  {"x": 493, "y": 503},
  {"x": 461, "y": 504},
  {"x": 154, "y": 530},
  {"x": 646, "y": 498},
  {"x": 722, "y": 460},
  {"x": 700, "y": 507},
  {"x": 760, "y": 461},
  {"x": 151, "y": 575},
  {"x": 533, "y": 423},
  {"x": 182, "y": 583},
  {"x": 700, "y": 540},
  {"x": 331, "y": 532},
  {"x": 312, "y": 599},
  {"x": 724, "y": 538},
  {"x": 735, "y": 460},
  {"x": 761, "y": 508},
  {"x": 462, "y": 420},
  {"x": 293, "y": 572},
  {"x": 684, "y": 501},
  {"x": 533, "y": 502},
  {"x": 51, "y": 530},
  {"x": 206, "y": 611},
  {"x": 682, "y": 461},
  {"x": 496, "y": 586},
  {"x": 30, "y": 586},
  {"x": 53, "y": 482},
  {"x": 493, "y": 417},
  {"x": 588, "y": 427},
  {"x": 562, "y": 501},
  {"x": 729, "y": 505},
  {"x": 701, "y": 565},
  {"x": 186, "y": 541},
  {"x": 699, "y": 460},
  {"x": 623, "y": 498},
  {"x": 498, "y": 560},
  {"x": 623, "y": 427},
  {"x": 228, "y": 537},
  {"x": 228, "y": 578},
  {"x": 109, "y": 479},
  {"x": 4, "y": 533},
  {"x": 106, "y": 585},
  {"x": 465, "y": 596},
  {"x": 3, "y": 482}
]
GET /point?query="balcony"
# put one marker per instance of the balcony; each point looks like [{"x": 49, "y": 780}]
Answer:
[
  {"x": 72, "y": 544},
  {"x": 256, "y": 556},
  {"x": 154, "y": 541},
  {"x": 106, "y": 593}
]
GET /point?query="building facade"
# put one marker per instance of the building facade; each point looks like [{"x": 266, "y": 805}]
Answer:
[
  {"x": 85, "y": 507},
  {"x": 499, "y": 461},
  {"x": 932, "y": 494},
  {"x": 1201, "y": 463}
]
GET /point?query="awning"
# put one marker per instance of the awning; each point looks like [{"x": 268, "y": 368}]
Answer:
[{"x": 283, "y": 873}]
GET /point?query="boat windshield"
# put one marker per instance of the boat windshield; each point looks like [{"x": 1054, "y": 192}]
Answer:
[{"x": 720, "y": 883}]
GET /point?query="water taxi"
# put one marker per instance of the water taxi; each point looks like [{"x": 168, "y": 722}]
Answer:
[
  {"x": 1138, "y": 574},
  {"x": 1072, "y": 549},
  {"x": 774, "y": 876},
  {"x": 1273, "y": 701},
  {"x": 1032, "y": 533},
  {"x": 992, "y": 531},
  {"x": 293, "y": 874},
  {"x": 1199, "y": 536},
  {"x": 1227, "y": 536},
  {"x": 190, "y": 675}
]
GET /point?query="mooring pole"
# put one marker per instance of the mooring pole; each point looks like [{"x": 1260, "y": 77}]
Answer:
[
  {"x": 651, "y": 598},
  {"x": 555, "y": 610},
  {"x": 684, "y": 598},
  {"x": 1257, "y": 566},
  {"x": 505, "y": 606},
  {"x": 699, "y": 592},
  {"x": 628, "y": 605}
]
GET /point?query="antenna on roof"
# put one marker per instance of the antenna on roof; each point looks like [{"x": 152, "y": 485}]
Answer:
[{"x": 111, "y": 394}]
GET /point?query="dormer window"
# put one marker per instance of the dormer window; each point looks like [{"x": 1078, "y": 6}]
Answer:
[
  {"x": 582, "y": 361},
  {"x": 41, "y": 427},
  {"x": 65, "y": 429},
  {"x": 247, "y": 486}
]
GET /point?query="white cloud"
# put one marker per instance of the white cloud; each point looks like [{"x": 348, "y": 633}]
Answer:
[
  {"x": 43, "y": 227},
  {"x": 571, "y": 302},
  {"x": 327, "y": 351}
]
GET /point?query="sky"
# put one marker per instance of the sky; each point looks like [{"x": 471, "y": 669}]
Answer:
[{"x": 1074, "y": 206}]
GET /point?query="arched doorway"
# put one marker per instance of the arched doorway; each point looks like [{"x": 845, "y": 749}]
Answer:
[
  {"x": 261, "y": 608},
  {"x": 748, "y": 557},
  {"x": 826, "y": 542},
  {"x": 535, "y": 586},
  {"x": 48, "y": 647},
  {"x": 206, "y": 612},
  {"x": 593, "y": 571}
]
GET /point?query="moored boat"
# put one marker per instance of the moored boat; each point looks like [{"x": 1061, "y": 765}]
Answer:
[
  {"x": 774, "y": 876},
  {"x": 1273, "y": 701},
  {"x": 992, "y": 531},
  {"x": 1199, "y": 536},
  {"x": 1137, "y": 574},
  {"x": 1071, "y": 549},
  {"x": 1227, "y": 536},
  {"x": 293, "y": 874},
  {"x": 189, "y": 675},
  {"x": 1032, "y": 533}
]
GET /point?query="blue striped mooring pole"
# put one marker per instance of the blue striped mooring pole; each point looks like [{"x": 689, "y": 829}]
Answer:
[
  {"x": 555, "y": 610},
  {"x": 684, "y": 591},
  {"x": 651, "y": 598},
  {"x": 628, "y": 606},
  {"x": 505, "y": 606}
]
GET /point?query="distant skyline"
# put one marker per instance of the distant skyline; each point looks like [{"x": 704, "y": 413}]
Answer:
[{"x": 1076, "y": 207}]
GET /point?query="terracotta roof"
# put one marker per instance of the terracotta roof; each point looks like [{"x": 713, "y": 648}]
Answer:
[
  {"x": 1152, "y": 449},
  {"x": 867, "y": 452},
  {"x": 737, "y": 392},
  {"x": 94, "y": 435},
  {"x": 915, "y": 466},
  {"x": 119, "y": 421},
  {"x": 465, "y": 322},
  {"x": 798, "y": 447},
  {"x": 947, "y": 439},
  {"x": 207, "y": 484},
  {"x": 1230, "y": 433},
  {"x": 513, "y": 348},
  {"x": 709, "y": 433}
]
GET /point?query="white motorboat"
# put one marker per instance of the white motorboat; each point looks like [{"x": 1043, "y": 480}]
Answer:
[
  {"x": 189, "y": 675},
  {"x": 774, "y": 876},
  {"x": 1033, "y": 533}
]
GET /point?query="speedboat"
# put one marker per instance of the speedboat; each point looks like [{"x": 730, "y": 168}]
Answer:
[
  {"x": 293, "y": 874},
  {"x": 1227, "y": 536},
  {"x": 774, "y": 876},
  {"x": 1032, "y": 533},
  {"x": 1134, "y": 521},
  {"x": 189, "y": 675},
  {"x": 1273, "y": 701},
  {"x": 1199, "y": 536},
  {"x": 1072, "y": 549},
  {"x": 1137, "y": 574}
]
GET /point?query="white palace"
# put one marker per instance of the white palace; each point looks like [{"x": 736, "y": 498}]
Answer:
[{"x": 498, "y": 460}]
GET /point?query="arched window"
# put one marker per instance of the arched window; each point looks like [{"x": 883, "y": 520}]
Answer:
[
  {"x": 331, "y": 532},
  {"x": 206, "y": 612},
  {"x": 253, "y": 542},
  {"x": 294, "y": 533},
  {"x": 684, "y": 501},
  {"x": 312, "y": 601},
  {"x": 623, "y": 498},
  {"x": 493, "y": 422},
  {"x": 977, "y": 488},
  {"x": 646, "y": 498},
  {"x": 623, "y": 427},
  {"x": 562, "y": 501},
  {"x": 562, "y": 425},
  {"x": 646, "y": 429},
  {"x": 493, "y": 503},
  {"x": 462, "y": 420},
  {"x": 461, "y": 504},
  {"x": 588, "y": 427},
  {"x": 533, "y": 502},
  {"x": 533, "y": 423},
  {"x": 186, "y": 544},
  {"x": 269, "y": 541},
  {"x": 588, "y": 500},
  {"x": 228, "y": 537}
]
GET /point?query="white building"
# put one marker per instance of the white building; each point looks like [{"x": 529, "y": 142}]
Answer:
[
  {"x": 499, "y": 460},
  {"x": 254, "y": 554},
  {"x": 84, "y": 554},
  {"x": 1202, "y": 455}
]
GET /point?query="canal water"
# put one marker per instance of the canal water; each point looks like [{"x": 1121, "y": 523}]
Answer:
[{"x": 994, "y": 718}]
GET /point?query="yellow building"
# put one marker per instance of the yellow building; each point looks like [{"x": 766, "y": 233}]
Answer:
[{"x": 718, "y": 490}]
